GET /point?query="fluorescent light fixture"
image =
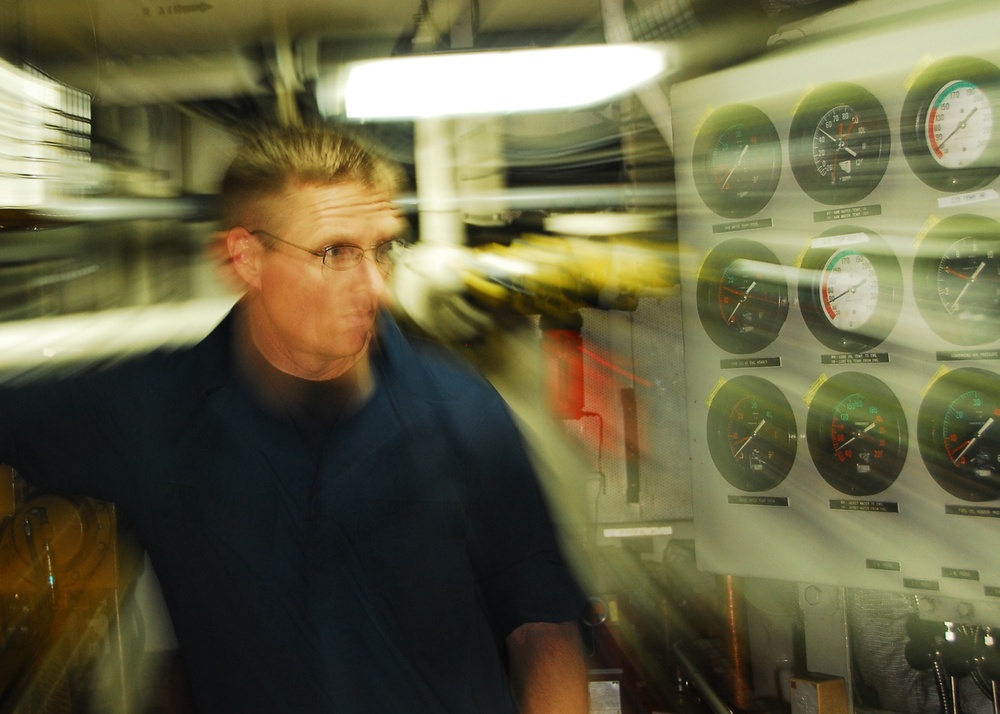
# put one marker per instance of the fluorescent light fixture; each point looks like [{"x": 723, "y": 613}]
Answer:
[{"x": 489, "y": 82}]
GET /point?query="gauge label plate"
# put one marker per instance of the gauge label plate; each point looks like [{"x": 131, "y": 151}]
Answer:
[
  {"x": 967, "y": 198},
  {"x": 839, "y": 214},
  {"x": 892, "y": 566},
  {"x": 742, "y": 226},
  {"x": 972, "y": 511},
  {"x": 856, "y": 358},
  {"x": 863, "y": 506},
  {"x": 962, "y": 355},
  {"x": 780, "y": 501},
  {"x": 750, "y": 363},
  {"x": 960, "y": 573}
]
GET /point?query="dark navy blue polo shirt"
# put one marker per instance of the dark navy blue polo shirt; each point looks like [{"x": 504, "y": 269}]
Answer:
[{"x": 377, "y": 569}]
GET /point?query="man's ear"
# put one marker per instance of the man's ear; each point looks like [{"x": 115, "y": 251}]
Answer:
[{"x": 244, "y": 255}]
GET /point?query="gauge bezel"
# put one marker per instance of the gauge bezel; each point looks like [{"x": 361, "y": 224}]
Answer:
[
  {"x": 819, "y": 436},
  {"x": 725, "y": 203},
  {"x": 802, "y": 147},
  {"x": 916, "y": 105},
  {"x": 718, "y": 428},
  {"x": 927, "y": 263},
  {"x": 939, "y": 398},
  {"x": 711, "y": 274},
  {"x": 890, "y": 292}
]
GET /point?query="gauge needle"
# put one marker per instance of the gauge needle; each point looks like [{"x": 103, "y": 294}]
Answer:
[
  {"x": 743, "y": 299},
  {"x": 961, "y": 125},
  {"x": 969, "y": 281},
  {"x": 856, "y": 435},
  {"x": 973, "y": 440},
  {"x": 739, "y": 160},
  {"x": 849, "y": 290},
  {"x": 749, "y": 438},
  {"x": 840, "y": 143}
]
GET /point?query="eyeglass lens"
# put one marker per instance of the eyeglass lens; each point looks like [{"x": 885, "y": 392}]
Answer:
[{"x": 342, "y": 257}]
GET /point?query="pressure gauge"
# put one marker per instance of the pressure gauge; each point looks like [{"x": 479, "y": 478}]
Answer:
[
  {"x": 78, "y": 530},
  {"x": 742, "y": 296},
  {"x": 956, "y": 279},
  {"x": 751, "y": 433},
  {"x": 948, "y": 124},
  {"x": 857, "y": 434},
  {"x": 839, "y": 143},
  {"x": 958, "y": 430},
  {"x": 850, "y": 289},
  {"x": 737, "y": 161}
]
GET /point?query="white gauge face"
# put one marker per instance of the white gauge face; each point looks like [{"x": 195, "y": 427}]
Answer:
[
  {"x": 959, "y": 124},
  {"x": 849, "y": 290}
]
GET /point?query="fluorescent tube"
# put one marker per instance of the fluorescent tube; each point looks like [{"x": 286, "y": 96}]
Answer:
[{"x": 489, "y": 82}]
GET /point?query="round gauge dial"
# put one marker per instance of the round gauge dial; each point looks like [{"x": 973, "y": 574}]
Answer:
[
  {"x": 751, "y": 433},
  {"x": 742, "y": 296},
  {"x": 958, "y": 430},
  {"x": 857, "y": 434},
  {"x": 78, "y": 529},
  {"x": 948, "y": 124},
  {"x": 850, "y": 289},
  {"x": 737, "y": 161},
  {"x": 956, "y": 279},
  {"x": 839, "y": 143}
]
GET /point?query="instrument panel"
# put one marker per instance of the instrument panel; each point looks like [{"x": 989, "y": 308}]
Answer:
[{"x": 839, "y": 216}]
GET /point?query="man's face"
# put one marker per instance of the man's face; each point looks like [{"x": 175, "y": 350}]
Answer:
[{"x": 306, "y": 317}]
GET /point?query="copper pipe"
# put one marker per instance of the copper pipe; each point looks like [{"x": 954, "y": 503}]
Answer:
[{"x": 735, "y": 644}]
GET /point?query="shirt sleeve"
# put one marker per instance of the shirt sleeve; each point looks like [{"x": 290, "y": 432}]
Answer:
[
  {"x": 66, "y": 432},
  {"x": 522, "y": 573}
]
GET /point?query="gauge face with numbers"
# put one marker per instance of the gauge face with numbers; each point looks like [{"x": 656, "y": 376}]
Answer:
[
  {"x": 948, "y": 127},
  {"x": 959, "y": 124},
  {"x": 956, "y": 279},
  {"x": 857, "y": 434},
  {"x": 839, "y": 143},
  {"x": 737, "y": 161},
  {"x": 850, "y": 289},
  {"x": 958, "y": 430},
  {"x": 742, "y": 296},
  {"x": 751, "y": 433}
]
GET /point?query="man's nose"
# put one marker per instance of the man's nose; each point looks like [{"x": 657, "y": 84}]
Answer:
[{"x": 373, "y": 273}]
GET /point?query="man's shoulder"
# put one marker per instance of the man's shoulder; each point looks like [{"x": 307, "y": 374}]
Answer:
[
  {"x": 164, "y": 369},
  {"x": 443, "y": 371}
]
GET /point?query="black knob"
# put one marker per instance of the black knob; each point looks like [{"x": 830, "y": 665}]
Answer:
[{"x": 920, "y": 653}]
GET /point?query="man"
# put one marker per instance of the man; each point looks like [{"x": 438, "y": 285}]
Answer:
[{"x": 341, "y": 520}]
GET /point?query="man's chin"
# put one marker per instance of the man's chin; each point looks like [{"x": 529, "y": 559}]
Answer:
[{"x": 356, "y": 341}]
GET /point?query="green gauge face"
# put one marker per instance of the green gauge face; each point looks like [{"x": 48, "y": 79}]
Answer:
[
  {"x": 742, "y": 296},
  {"x": 956, "y": 279},
  {"x": 958, "y": 430},
  {"x": 850, "y": 289},
  {"x": 737, "y": 161},
  {"x": 857, "y": 434},
  {"x": 839, "y": 143},
  {"x": 751, "y": 433},
  {"x": 948, "y": 127}
]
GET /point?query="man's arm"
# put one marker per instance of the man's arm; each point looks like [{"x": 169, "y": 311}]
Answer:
[{"x": 547, "y": 670}]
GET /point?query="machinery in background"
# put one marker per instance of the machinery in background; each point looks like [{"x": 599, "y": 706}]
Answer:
[
  {"x": 65, "y": 572},
  {"x": 459, "y": 294}
]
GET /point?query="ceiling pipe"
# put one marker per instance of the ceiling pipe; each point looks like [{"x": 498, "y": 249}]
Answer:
[{"x": 166, "y": 79}]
